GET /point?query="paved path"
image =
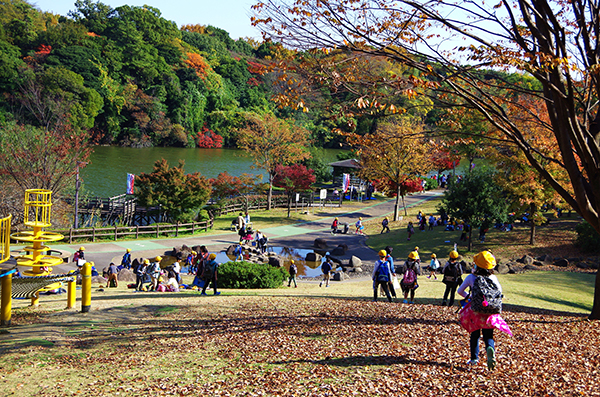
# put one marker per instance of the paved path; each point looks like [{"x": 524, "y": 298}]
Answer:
[{"x": 297, "y": 236}]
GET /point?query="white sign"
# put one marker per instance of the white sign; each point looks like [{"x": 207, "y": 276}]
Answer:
[
  {"x": 297, "y": 197},
  {"x": 323, "y": 194}
]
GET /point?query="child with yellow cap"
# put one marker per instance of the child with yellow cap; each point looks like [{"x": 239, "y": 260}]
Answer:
[
  {"x": 410, "y": 270},
  {"x": 482, "y": 313}
]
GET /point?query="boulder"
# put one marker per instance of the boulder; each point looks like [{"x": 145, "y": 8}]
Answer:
[
  {"x": 530, "y": 267},
  {"x": 231, "y": 249},
  {"x": 538, "y": 263},
  {"x": 593, "y": 265},
  {"x": 561, "y": 262},
  {"x": 545, "y": 258},
  {"x": 358, "y": 269},
  {"x": 126, "y": 275},
  {"x": 339, "y": 276},
  {"x": 276, "y": 261},
  {"x": 526, "y": 260},
  {"x": 320, "y": 243},
  {"x": 582, "y": 265},
  {"x": 502, "y": 268},
  {"x": 515, "y": 268},
  {"x": 340, "y": 250},
  {"x": 335, "y": 260},
  {"x": 313, "y": 257},
  {"x": 320, "y": 252},
  {"x": 355, "y": 261}
]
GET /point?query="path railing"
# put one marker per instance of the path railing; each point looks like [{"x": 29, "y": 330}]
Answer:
[{"x": 115, "y": 232}]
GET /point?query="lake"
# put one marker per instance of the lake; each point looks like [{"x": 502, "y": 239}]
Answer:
[{"x": 106, "y": 173}]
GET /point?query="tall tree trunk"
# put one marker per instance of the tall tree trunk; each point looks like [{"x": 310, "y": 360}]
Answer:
[
  {"x": 404, "y": 205},
  {"x": 470, "y": 243},
  {"x": 289, "y": 200},
  {"x": 595, "y": 314},
  {"x": 397, "y": 206},
  {"x": 269, "y": 196},
  {"x": 532, "y": 211}
]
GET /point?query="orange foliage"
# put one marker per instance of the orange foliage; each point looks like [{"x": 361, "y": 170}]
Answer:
[{"x": 198, "y": 63}]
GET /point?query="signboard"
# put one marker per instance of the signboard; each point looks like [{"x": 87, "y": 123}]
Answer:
[{"x": 323, "y": 194}]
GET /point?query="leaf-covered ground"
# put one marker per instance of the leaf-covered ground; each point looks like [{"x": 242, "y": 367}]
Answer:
[{"x": 283, "y": 346}]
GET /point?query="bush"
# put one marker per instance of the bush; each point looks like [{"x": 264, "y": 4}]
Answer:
[
  {"x": 246, "y": 275},
  {"x": 587, "y": 238}
]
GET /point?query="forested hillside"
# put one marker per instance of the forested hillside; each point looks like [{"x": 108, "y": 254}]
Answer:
[{"x": 130, "y": 77}]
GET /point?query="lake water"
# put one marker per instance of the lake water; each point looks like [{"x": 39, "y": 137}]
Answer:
[{"x": 106, "y": 173}]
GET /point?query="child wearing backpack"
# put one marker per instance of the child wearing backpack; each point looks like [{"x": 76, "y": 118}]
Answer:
[
  {"x": 433, "y": 266},
  {"x": 452, "y": 277},
  {"x": 482, "y": 313},
  {"x": 382, "y": 275},
  {"x": 209, "y": 274},
  {"x": 326, "y": 269},
  {"x": 410, "y": 269},
  {"x": 293, "y": 271}
]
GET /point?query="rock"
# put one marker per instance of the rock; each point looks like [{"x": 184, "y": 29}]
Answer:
[
  {"x": 335, "y": 260},
  {"x": 545, "y": 258},
  {"x": 340, "y": 250},
  {"x": 320, "y": 243},
  {"x": 561, "y": 262},
  {"x": 355, "y": 261},
  {"x": 339, "y": 276},
  {"x": 526, "y": 260},
  {"x": 515, "y": 268},
  {"x": 276, "y": 261},
  {"x": 358, "y": 269},
  {"x": 313, "y": 257},
  {"x": 126, "y": 275},
  {"x": 593, "y": 265},
  {"x": 538, "y": 263},
  {"x": 320, "y": 252},
  {"x": 530, "y": 267},
  {"x": 582, "y": 265},
  {"x": 502, "y": 268},
  {"x": 231, "y": 250}
]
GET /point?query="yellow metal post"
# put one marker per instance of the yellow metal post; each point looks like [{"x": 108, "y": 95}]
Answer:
[
  {"x": 71, "y": 294},
  {"x": 86, "y": 287},
  {"x": 6, "y": 304}
]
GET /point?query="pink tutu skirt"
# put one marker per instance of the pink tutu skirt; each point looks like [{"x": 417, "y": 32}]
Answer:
[{"x": 472, "y": 321}]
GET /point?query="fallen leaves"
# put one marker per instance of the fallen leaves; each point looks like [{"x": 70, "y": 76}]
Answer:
[{"x": 269, "y": 346}]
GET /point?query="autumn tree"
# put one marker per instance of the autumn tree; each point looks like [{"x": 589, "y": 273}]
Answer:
[
  {"x": 178, "y": 194},
  {"x": 272, "y": 142},
  {"x": 395, "y": 153},
  {"x": 294, "y": 178},
  {"x": 226, "y": 185},
  {"x": 555, "y": 44}
]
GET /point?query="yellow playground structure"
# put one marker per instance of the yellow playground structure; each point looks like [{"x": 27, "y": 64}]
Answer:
[{"x": 38, "y": 205}]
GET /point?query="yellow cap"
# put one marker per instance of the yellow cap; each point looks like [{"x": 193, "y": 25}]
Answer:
[
  {"x": 82, "y": 248},
  {"x": 212, "y": 256},
  {"x": 382, "y": 254},
  {"x": 158, "y": 258},
  {"x": 194, "y": 253},
  {"x": 292, "y": 261},
  {"x": 453, "y": 254},
  {"x": 416, "y": 248},
  {"x": 414, "y": 255},
  {"x": 485, "y": 260},
  {"x": 360, "y": 218},
  {"x": 146, "y": 261},
  {"x": 128, "y": 249},
  {"x": 433, "y": 255}
]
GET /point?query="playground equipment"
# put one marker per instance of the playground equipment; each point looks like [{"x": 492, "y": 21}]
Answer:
[
  {"x": 38, "y": 205},
  {"x": 5, "y": 272}
]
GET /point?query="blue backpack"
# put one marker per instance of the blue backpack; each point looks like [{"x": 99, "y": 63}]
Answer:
[{"x": 383, "y": 273}]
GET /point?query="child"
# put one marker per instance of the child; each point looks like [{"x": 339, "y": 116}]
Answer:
[
  {"x": 238, "y": 252},
  {"x": 126, "y": 261},
  {"x": 410, "y": 230},
  {"x": 359, "y": 226},
  {"x": 334, "y": 226},
  {"x": 452, "y": 277},
  {"x": 382, "y": 275},
  {"x": 385, "y": 225},
  {"x": 477, "y": 322},
  {"x": 433, "y": 266},
  {"x": 326, "y": 269},
  {"x": 293, "y": 271},
  {"x": 209, "y": 274},
  {"x": 410, "y": 271}
]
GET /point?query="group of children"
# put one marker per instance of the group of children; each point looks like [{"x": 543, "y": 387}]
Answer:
[{"x": 480, "y": 313}]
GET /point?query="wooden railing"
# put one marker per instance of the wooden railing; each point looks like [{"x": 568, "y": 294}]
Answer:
[{"x": 114, "y": 233}]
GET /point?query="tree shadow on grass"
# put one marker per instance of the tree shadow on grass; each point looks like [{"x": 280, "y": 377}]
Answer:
[{"x": 363, "y": 361}]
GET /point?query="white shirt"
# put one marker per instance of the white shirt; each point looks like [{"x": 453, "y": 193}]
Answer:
[
  {"x": 470, "y": 279},
  {"x": 176, "y": 267}
]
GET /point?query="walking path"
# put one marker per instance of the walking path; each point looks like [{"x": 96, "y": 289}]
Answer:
[{"x": 297, "y": 236}]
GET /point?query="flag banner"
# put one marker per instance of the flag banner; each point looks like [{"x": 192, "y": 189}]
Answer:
[
  {"x": 130, "y": 182},
  {"x": 345, "y": 182}
]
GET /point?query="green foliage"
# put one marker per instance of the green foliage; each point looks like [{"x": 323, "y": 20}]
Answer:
[
  {"x": 178, "y": 194},
  {"x": 475, "y": 199},
  {"x": 316, "y": 162},
  {"x": 588, "y": 238},
  {"x": 9, "y": 66},
  {"x": 246, "y": 275}
]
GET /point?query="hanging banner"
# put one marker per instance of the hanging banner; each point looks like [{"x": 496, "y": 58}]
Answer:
[
  {"x": 345, "y": 182},
  {"x": 130, "y": 182}
]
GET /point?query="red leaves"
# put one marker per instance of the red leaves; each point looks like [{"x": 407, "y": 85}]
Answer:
[{"x": 208, "y": 139}]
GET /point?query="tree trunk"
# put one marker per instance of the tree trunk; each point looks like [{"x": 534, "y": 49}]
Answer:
[
  {"x": 289, "y": 200},
  {"x": 532, "y": 211},
  {"x": 595, "y": 314},
  {"x": 404, "y": 205},
  {"x": 269, "y": 196},
  {"x": 470, "y": 242},
  {"x": 397, "y": 206}
]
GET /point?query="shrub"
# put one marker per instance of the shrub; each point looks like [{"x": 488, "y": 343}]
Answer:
[
  {"x": 587, "y": 238},
  {"x": 246, "y": 275}
]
